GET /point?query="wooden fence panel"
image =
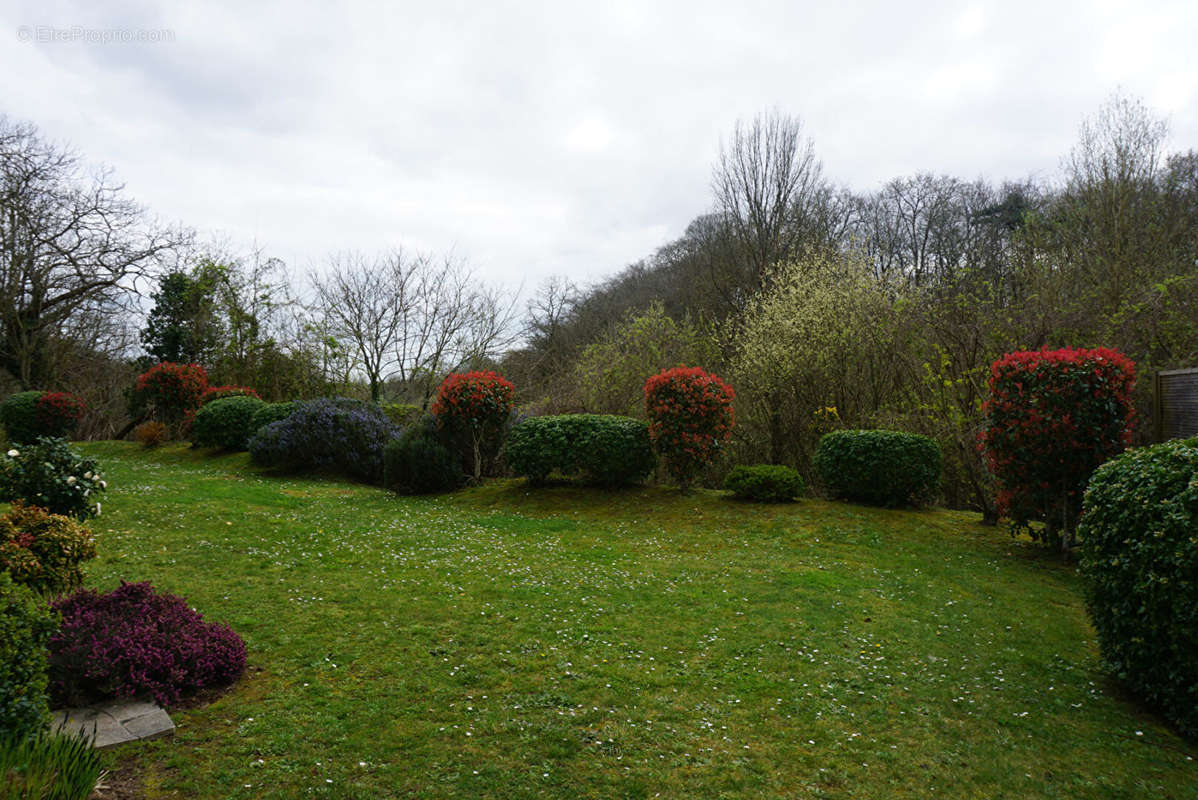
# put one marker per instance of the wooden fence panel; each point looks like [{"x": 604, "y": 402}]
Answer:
[{"x": 1176, "y": 404}]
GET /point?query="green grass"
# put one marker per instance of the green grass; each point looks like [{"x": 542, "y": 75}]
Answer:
[{"x": 568, "y": 642}]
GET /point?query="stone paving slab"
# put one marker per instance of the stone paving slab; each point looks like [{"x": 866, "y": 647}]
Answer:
[{"x": 116, "y": 722}]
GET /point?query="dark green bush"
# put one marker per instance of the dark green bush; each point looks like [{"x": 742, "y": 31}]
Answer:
[
  {"x": 885, "y": 468},
  {"x": 1139, "y": 534},
  {"x": 50, "y": 474},
  {"x": 26, "y": 625},
  {"x": 764, "y": 483},
  {"x": 418, "y": 462},
  {"x": 607, "y": 450},
  {"x": 227, "y": 422},
  {"x": 50, "y": 765},
  {"x": 271, "y": 412},
  {"x": 18, "y": 415}
]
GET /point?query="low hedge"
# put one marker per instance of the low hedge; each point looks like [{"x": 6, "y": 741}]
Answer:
[
  {"x": 764, "y": 483},
  {"x": 885, "y": 468},
  {"x": 1139, "y": 534},
  {"x": 226, "y": 422},
  {"x": 607, "y": 450}
]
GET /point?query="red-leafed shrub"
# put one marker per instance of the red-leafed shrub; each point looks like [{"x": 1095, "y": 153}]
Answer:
[
  {"x": 133, "y": 641},
  {"x": 169, "y": 390},
  {"x": 58, "y": 414},
  {"x": 1053, "y": 417},
  {"x": 221, "y": 392},
  {"x": 477, "y": 404},
  {"x": 690, "y": 417}
]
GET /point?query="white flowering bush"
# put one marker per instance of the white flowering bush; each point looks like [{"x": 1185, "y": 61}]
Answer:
[{"x": 51, "y": 475}]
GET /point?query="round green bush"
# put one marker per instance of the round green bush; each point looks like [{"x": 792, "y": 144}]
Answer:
[
  {"x": 271, "y": 412},
  {"x": 227, "y": 423},
  {"x": 26, "y": 625},
  {"x": 18, "y": 415},
  {"x": 1139, "y": 534},
  {"x": 764, "y": 483},
  {"x": 884, "y": 468},
  {"x": 607, "y": 450},
  {"x": 417, "y": 462}
]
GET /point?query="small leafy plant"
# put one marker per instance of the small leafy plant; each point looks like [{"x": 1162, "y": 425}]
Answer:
[
  {"x": 885, "y": 468},
  {"x": 150, "y": 434},
  {"x": 51, "y": 475},
  {"x": 49, "y": 765},
  {"x": 134, "y": 641}
]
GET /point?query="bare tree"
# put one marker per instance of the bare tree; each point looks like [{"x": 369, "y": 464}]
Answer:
[
  {"x": 767, "y": 183},
  {"x": 71, "y": 245},
  {"x": 410, "y": 319}
]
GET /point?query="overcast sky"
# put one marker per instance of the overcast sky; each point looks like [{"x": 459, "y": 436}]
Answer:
[{"x": 558, "y": 138}]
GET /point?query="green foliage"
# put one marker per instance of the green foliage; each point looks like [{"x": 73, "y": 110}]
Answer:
[
  {"x": 610, "y": 372},
  {"x": 271, "y": 412},
  {"x": 227, "y": 422},
  {"x": 402, "y": 414},
  {"x": 417, "y": 462},
  {"x": 42, "y": 550},
  {"x": 51, "y": 475},
  {"x": 1140, "y": 561},
  {"x": 18, "y": 414},
  {"x": 49, "y": 765},
  {"x": 886, "y": 468},
  {"x": 608, "y": 450},
  {"x": 26, "y": 624},
  {"x": 184, "y": 325},
  {"x": 764, "y": 483}
]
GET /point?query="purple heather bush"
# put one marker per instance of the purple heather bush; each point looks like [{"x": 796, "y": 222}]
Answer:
[
  {"x": 346, "y": 436},
  {"x": 133, "y": 642}
]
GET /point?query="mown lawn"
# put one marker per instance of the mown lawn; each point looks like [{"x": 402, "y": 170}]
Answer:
[{"x": 567, "y": 642}]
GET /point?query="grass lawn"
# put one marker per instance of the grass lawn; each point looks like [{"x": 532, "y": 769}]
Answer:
[{"x": 567, "y": 642}]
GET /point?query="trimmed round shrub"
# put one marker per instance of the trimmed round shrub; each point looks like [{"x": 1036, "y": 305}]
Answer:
[
  {"x": 477, "y": 404},
  {"x": 134, "y": 641},
  {"x": 1052, "y": 417},
  {"x": 18, "y": 414},
  {"x": 221, "y": 392},
  {"x": 764, "y": 483},
  {"x": 51, "y": 475},
  {"x": 607, "y": 450},
  {"x": 1139, "y": 534},
  {"x": 169, "y": 391},
  {"x": 690, "y": 417},
  {"x": 883, "y": 468},
  {"x": 342, "y": 435},
  {"x": 42, "y": 550},
  {"x": 271, "y": 412},
  {"x": 26, "y": 624},
  {"x": 419, "y": 463},
  {"x": 226, "y": 422}
]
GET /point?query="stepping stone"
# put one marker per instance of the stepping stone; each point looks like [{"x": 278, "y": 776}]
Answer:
[{"x": 115, "y": 723}]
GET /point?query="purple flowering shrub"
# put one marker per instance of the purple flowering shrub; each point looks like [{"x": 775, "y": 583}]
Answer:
[
  {"x": 133, "y": 641},
  {"x": 346, "y": 436}
]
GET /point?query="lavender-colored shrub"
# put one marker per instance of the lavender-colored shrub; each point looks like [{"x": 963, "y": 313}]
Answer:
[
  {"x": 132, "y": 642},
  {"x": 345, "y": 436}
]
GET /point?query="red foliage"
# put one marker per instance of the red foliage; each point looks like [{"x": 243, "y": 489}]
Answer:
[
  {"x": 57, "y": 413},
  {"x": 475, "y": 399},
  {"x": 171, "y": 390},
  {"x": 690, "y": 417},
  {"x": 1053, "y": 417},
  {"x": 221, "y": 392}
]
